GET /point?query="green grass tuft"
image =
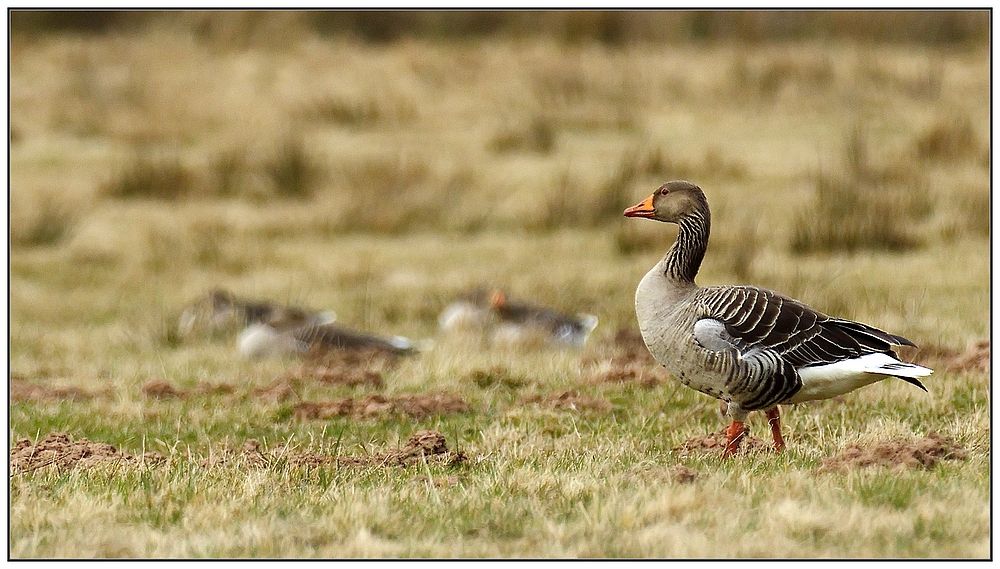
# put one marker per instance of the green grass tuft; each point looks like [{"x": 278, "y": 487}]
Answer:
[
  {"x": 293, "y": 171},
  {"x": 48, "y": 224},
  {"x": 868, "y": 207},
  {"x": 950, "y": 140},
  {"x": 143, "y": 177},
  {"x": 539, "y": 136}
]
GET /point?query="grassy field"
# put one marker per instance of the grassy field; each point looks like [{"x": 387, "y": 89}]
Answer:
[{"x": 381, "y": 181}]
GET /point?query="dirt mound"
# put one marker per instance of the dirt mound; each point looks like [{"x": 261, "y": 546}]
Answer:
[
  {"x": 373, "y": 359},
  {"x": 23, "y": 390},
  {"x": 496, "y": 376},
  {"x": 57, "y": 449},
  {"x": 424, "y": 445},
  {"x": 439, "y": 481},
  {"x": 415, "y": 406},
  {"x": 278, "y": 390},
  {"x": 924, "y": 453},
  {"x": 682, "y": 474},
  {"x": 630, "y": 347},
  {"x": 157, "y": 388},
  {"x": 644, "y": 375},
  {"x": 573, "y": 401},
  {"x": 337, "y": 371},
  {"x": 625, "y": 360},
  {"x": 975, "y": 357},
  {"x": 715, "y": 443}
]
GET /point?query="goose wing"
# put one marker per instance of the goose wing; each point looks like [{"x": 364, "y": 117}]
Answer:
[
  {"x": 752, "y": 318},
  {"x": 338, "y": 337}
]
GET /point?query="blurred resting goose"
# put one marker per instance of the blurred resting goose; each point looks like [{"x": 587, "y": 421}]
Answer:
[
  {"x": 751, "y": 347},
  {"x": 221, "y": 312},
  {"x": 259, "y": 340},
  {"x": 510, "y": 321}
]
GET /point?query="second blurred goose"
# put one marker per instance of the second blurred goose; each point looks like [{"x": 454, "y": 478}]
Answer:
[{"x": 502, "y": 320}]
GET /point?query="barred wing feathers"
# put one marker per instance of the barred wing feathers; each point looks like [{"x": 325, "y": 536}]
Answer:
[{"x": 758, "y": 320}]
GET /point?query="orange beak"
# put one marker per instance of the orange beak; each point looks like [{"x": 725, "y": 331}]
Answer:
[
  {"x": 643, "y": 209},
  {"x": 498, "y": 299}
]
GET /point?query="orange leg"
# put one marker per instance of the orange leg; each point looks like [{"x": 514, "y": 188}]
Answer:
[
  {"x": 734, "y": 436},
  {"x": 774, "y": 419}
]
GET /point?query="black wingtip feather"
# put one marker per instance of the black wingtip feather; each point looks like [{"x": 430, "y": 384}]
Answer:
[
  {"x": 912, "y": 381},
  {"x": 903, "y": 341}
]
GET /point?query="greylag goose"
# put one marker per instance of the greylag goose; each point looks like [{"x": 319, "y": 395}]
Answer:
[
  {"x": 750, "y": 347},
  {"x": 510, "y": 321},
  {"x": 259, "y": 340},
  {"x": 221, "y": 312}
]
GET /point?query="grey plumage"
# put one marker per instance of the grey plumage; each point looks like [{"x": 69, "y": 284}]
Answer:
[
  {"x": 220, "y": 312},
  {"x": 751, "y": 347}
]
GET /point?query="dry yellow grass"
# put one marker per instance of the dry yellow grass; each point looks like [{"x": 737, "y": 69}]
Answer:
[{"x": 380, "y": 181}]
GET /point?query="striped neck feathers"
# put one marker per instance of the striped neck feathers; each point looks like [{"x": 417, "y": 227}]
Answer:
[{"x": 683, "y": 259}]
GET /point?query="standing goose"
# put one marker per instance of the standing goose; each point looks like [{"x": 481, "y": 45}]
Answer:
[{"x": 751, "y": 347}]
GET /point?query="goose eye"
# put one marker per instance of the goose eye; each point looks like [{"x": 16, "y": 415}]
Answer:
[{"x": 664, "y": 191}]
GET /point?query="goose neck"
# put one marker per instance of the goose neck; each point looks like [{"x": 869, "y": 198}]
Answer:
[{"x": 684, "y": 257}]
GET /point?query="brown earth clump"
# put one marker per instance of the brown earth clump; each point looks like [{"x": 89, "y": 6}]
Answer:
[
  {"x": 631, "y": 347},
  {"x": 278, "y": 390},
  {"x": 157, "y": 388},
  {"x": 23, "y": 390},
  {"x": 58, "y": 450},
  {"x": 415, "y": 406},
  {"x": 923, "y": 453},
  {"x": 682, "y": 474},
  {"x": 625, "y": 360},
  {"x": 423, "y": 445},
  {"x": 975, "y": 357},
  {"x": 644, "y": 375},
  {"x": 372, "y": 359},
  {"x": 715, "y": 443},
  {"x": 573, "y": 401},
  {"x": 496, "y": 376},
  {"x": 336, "y": 371}
]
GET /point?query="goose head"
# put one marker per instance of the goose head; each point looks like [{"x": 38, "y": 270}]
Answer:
[{"x": 670, "y": 202}]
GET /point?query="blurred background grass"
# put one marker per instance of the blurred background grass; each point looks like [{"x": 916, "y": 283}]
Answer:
[
  {"x": 184, "y": 148},
  {"x": 241, "y": 29}
]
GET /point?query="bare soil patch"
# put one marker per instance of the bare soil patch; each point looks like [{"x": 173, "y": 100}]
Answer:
[
  {"x": 415, "y": 406},
  {"x": 24, "y": 390},
  {"x": 60, "y": 451},
  {"x": 682, "y": 474},
  {"x": 158, "y": 388},
  {"x": 339, "y": 371},
  {"x": 715, "y": 443},
  {"x": 423, "y": 445},
  {"x": 629, "y": 347},
  {"x": 975, "y": 357},
  {"x": 676, "y": 474},
  {"x": 368, "y": 358},
  {"x": 924, "y": 453},
  {"x": 278, "y": 390},
  {"x": 573, "y": 401},
  {"x": 643, "y": 375},
  {"x": 625, "y": 359},
  {"x": 496, "y": 376}
]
